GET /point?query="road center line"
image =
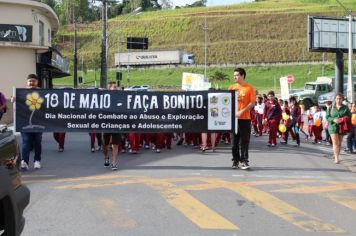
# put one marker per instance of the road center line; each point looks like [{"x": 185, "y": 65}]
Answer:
[
  {"x": 279, "y": 208},
  {"x": 190, "y": 207}
]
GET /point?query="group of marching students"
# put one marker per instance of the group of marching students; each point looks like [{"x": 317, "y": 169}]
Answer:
[
  {"x": 281, "y": 118},
  {"x": 278, "y": 118}
]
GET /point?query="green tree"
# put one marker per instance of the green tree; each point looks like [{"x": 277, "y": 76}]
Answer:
[
  {"x": 51, "y": 3},
  {"x": 218, "y": 77},
  {"x": 71, "y": 8},
  {"x": 55, "y": 5}
]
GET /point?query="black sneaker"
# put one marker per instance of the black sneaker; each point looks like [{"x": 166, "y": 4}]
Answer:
[
  {"x": 114, "y": 167},
  {"x": 235, "y": 165},
  {"x": 244, "y": 165},
  {"x": 106, "y": 163}
]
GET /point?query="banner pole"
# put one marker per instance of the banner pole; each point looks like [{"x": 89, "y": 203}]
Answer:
[{"x": 236, "y": 119}]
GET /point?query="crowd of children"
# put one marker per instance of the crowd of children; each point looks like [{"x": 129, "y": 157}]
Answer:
[{"x": 281, "y": 118}]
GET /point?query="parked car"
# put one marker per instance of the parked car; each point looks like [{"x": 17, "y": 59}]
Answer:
[
  {"x": 322, "y": 99},
  {"x": 14, "y": 196},
  {"x": 138, "y": 88},
  {"x": 312, "y": 90}
]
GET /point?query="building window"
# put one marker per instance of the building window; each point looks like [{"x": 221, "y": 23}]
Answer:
[
  {"x": 49, "y": 36},
  {"x": 41, "y": 33}
]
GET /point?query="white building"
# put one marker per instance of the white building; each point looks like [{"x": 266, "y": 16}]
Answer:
[{"x": 26, "y": 29}]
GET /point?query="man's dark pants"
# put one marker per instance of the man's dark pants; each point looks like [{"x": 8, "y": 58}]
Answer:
[{"x": 241, "y": 141}]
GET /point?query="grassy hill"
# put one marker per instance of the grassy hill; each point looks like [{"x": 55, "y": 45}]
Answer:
[
  {"x": 267, "y": 31},
  {"x": 259, "y": 32}
]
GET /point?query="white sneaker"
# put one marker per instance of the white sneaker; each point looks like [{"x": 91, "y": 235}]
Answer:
[
  {"x": 24, "y": 165},
  {"x": 37, "y": 165}
]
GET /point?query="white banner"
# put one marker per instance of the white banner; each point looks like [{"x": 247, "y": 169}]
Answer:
[
  {"x": 219, "y": 111},
  {"x": 194, "y": 82},
  {"x": 284, "y": 88}
]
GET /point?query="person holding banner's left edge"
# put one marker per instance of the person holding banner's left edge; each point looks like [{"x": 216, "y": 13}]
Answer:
[
  {"x": 31, "y": 139},
  {"x": 246, "y": 97}
]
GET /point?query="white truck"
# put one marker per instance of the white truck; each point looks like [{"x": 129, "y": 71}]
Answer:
[{"x": 146, "y": 58}]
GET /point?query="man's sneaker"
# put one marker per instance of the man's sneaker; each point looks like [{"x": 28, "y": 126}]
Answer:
[
  {"x": 98, "y": 148},
  {"x": 273, "y": 145},
  {"x": 244, "y": 165},
  {"x": 37, "y": 165},
  {"x": 60, "y": 149},
  {"x": 24, "y": 165},
  {"x": 106, "y": 162},
  {"x": 158, "y": 150},
  {"x": 114, "y": 167},
  {"x": 235, "y": 165},
  {"x": 92, "y": 149}
]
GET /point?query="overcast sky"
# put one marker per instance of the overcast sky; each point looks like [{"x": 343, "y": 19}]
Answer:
[{"x": 210, "y": 2}]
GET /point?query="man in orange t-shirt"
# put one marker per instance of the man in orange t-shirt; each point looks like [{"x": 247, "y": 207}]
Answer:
[{"x": 246, "y": 96}]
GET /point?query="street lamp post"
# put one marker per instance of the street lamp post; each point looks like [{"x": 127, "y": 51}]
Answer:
[
  {"x": 135, "y": 12},
  {"x": 104, "y": 42},
  {"x": 350, "y": 90}
]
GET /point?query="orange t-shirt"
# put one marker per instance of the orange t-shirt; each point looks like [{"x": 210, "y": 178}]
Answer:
[{"x": 246, "y": 95}]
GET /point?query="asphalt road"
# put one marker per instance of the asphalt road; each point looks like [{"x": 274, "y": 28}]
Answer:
[{"x": 182, "y": 191}]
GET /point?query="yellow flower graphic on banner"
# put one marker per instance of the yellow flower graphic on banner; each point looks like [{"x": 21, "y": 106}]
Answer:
[{"x": 34, "y": 101}]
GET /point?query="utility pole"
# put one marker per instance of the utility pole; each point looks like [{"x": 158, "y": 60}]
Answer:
[
  {"x": 103, "y": 73},
  {"x": 75, "y": 59},
  {"x": 205, "y": 28}
]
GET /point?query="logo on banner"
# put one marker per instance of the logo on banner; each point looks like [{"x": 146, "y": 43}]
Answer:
[{"x": 219, "y": 111}]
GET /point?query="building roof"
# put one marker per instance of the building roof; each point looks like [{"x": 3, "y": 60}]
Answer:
[{"x": 43, "y": 8}]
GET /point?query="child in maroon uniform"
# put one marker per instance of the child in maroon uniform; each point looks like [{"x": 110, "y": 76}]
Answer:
[
  {"x": 259, "y": 107},
  {"x": 92, "y": 141},
  {"x": 60, "y": 137},
  {"x": 253, "y": 121},
  {"x": 317, "y": 127},
  {"x": 310, "y": 120},
  {"x": 285, "y": 109},
  {"x": 272, "y": 114},
  {"x": 296, "y": 117}
]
